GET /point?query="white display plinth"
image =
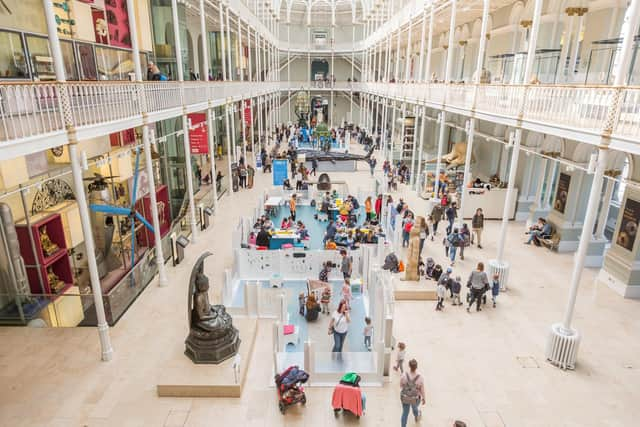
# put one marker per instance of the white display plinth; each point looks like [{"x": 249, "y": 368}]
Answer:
[{"x": 490, "y": 201}]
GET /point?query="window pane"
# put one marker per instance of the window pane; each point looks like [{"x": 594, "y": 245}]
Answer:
[
  {"x": 12, "y": 60},
  {"x": 69, "y": 60},
  {"x": 87, "y": 61},
  {"x": 40, "y": 57},
  {"x": 114, "y": 64}
]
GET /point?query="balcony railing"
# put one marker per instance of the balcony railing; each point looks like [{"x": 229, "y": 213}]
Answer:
[
  {"x": 37, "y": 109},
  {"x": 580, "y": 108},
  {"x": 40, "y": 109}
]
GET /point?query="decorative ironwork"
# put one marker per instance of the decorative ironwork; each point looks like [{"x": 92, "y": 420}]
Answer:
[{"x": 52, "y": 192}]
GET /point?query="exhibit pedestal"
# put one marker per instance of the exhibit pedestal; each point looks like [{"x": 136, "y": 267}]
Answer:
[
  {"x": 523, "y": 209},
  {"x": 423, "y": 290},
  {"x": 490, "y": 201},
  {"x": 595, "y": 253},
  {"x": 182, "y": 378}
]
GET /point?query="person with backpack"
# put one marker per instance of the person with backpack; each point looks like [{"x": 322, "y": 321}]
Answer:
[
  {"x": 411, "y": 393},
  {"x": 465, "y": 239},
  {"x": 407, "y": 225},
  {"x": 454, "y": 243},
  {"x": 451, "y": 215}
]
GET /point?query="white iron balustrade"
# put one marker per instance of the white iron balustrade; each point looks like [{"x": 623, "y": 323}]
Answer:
[{"x": 29, "y": 110}]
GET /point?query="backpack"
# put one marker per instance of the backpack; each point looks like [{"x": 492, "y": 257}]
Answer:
[
  {"x": 409, "y": 394},
  {"x": 408, "y": 226},
  {"x": 454, "y": 239}
]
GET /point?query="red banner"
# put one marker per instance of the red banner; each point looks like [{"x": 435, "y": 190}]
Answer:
[
  {"x": 247, "y": 112},
  {"x": 198, "y": 135}
]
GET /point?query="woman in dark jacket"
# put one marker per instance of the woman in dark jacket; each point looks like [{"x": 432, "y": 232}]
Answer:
[{"x": 477, "y": 224}]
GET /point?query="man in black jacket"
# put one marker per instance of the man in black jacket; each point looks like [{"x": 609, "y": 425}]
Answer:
[{"x": 263, "y": 238}]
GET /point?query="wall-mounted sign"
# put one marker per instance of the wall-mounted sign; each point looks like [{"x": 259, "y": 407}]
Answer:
[
  {"x": 562, "y": 192},
  {"x": 280, "y": 171},
  {"x": 198, "y": 134},
  {"x": 629, "y": 224}
]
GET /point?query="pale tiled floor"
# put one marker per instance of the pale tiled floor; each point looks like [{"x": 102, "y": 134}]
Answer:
[{"x": 485, "y": 368}]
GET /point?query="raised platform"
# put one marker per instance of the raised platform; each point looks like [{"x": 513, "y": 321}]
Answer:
[
  {"x": 183, "y": 378},
  {"x": 414, "y": 291}
]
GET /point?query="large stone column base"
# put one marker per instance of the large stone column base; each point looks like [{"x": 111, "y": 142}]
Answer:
[
  {"x": 595, "y": 253},
  {"x": 619, "y": 286},
  {"x": 523, "y": 209}
]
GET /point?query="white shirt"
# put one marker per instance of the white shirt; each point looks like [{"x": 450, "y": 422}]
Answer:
[{"x": 340, "y": 322}]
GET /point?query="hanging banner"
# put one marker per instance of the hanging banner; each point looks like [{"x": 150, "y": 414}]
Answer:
[
  {"x": 629, "y": 224},
  {"x": 198, "y": 135},
  {"x": 280, "y": 171},
  {"x": 562, "y": 192},
  {"x": 247, "y": 112}
]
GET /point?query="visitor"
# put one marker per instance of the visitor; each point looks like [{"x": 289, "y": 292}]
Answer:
[
  {"x": 430, "y": 226},
  {"x": 454, "y": 242},
  {"x": 325, "y": 300},
  {"x": 436, "y": 215},
  {"x": 330, "y": 234},
  {"x": 323, "y": 276},
  {"x": 372, "y": 164},
  {"x": 301, "y": 303},
  {"x": 286, "y": 184},
  {"x": 478, "y": 284},
  {"x": 400, "y": 355},
  {"x": 338, "y": 326},
  {"x": 378, "y": 207},
  {"x": 441, "y": 291},
  {"x": 267, "y": 163},
  {"x": 495, "y": 289},
  {"x": 437, "y": 272},
  {"x": 303, "y": 233},
  {"x": 451, "y": 215},
  {"x": 445, "y": 279},
  {"x": 424, "y": 232},
  {"x": 443, "y": 179},
  {"x": 465, "y": 239},
  {"x": 298, "y": 178},
  {"x": 346, "y": 292},
  {"x": 263, "y": 238},
  {"x": 242, "y": 172},
  {"x": 456, "y": 288},
  {"x": 540, "y": 230},
  {"x": 314, "y": 166},
  {"x": 368, "y": 332},
  {"x": 292, "y": 206},
  {"x": 477, "y": 224},
  {"x": 368, "y": 208},
  {"x": 411, "y": 393},
  {"x": 250, "y": 174},
  {"x": 407, "y": 225},
  {"x": 285, "y": 224},
  {"x": 347, "y": 264}
]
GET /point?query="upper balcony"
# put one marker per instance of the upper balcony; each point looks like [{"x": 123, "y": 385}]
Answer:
[{"x": 37, "y": 116}]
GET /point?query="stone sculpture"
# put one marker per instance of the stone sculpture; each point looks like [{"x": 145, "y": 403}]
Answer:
[
  {"x": 212, "y": 336},
  {"x": 413, "y": 253}
]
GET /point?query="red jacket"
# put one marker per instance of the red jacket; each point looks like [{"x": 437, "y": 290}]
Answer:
[{"x": 378, "y": 207}]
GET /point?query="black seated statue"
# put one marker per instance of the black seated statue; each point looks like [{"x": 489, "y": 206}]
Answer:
[{"x": 212, "y": 336}]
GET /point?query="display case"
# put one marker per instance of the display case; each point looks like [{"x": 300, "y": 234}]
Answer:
[
  {"x": 47, "y": 259},
  {"x": 147, "y": 238},
  {"x": 70, "y": 215},
  {"x": 601, "y": 58},
  {"x": 545, "y": 66},
  {"x": 408, "y": 138}
]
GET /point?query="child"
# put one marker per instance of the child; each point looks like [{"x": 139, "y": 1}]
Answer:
[
  {"x": 437, "y": 272},
  {"x": 495, "y": 289},
  {"x": 325, "y": 299},
  {"x": 456, "y": 287},
  {"x": 301, "y": 302},
  {"x": 441, "y": 290},
  {"x": 430, "y": 268},
  {"x": 368, "y": 331},
  {"x": 400, "y": 357},
  {"x": 346, "y": 292}
]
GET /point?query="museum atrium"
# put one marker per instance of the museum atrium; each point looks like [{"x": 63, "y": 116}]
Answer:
[{"x": 319, "y": 212}]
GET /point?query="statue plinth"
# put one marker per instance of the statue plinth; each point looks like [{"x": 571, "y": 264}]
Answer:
[{"x": 212, "y": 337}]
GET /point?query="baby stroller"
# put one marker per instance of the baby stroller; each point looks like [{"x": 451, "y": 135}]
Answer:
[
  {"x": 290, "y": 389},
  {"x": 348, "y": 397}
]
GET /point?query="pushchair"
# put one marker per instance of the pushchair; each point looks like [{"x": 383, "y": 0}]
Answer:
[
  {"x": 348, "y": 397},
  {"x": 290, "y": 389}
]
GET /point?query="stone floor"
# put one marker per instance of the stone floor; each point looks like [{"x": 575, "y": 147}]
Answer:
[{"x": 485, "y": 368}]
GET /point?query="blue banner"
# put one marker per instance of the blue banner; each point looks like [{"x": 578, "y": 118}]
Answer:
[{"x": 280, "y": 171}]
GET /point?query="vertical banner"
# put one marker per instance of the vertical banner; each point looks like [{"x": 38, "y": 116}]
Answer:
[
  {"x": 118, "y": 23},
  {"x": 280, "y": 171},
  {"x": 247, "y": 112},
  {"x": 562, "y": 192},
  {"x": 629, "y": 224},
  {"x": 198, "y": 135}
]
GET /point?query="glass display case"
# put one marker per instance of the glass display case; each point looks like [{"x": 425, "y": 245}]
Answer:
[
  {"x": 545, "y": 66},
  {"x": 601, "y": 59},
  {"x": 13, "y": 64}
]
